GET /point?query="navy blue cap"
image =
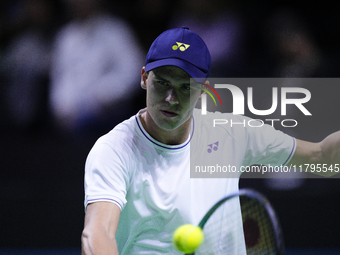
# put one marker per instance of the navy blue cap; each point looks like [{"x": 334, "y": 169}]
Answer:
[{"x": 183, "y": 48}]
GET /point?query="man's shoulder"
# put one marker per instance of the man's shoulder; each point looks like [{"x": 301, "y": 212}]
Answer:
[
  {"x": 120, "y": 134},
  {"x": 237, "y": 126}
]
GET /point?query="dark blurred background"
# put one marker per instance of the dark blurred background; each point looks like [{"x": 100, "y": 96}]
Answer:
[{"x": 69, "y": 72}]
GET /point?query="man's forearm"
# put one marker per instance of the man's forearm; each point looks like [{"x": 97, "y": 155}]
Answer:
[
  {"x": 321, "y": 158},
  {"x": 331, "y": 148},
  {"x": 98, "y": 243}
]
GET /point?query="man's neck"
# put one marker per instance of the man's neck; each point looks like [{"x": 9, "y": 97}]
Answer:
[{"x": 169, "y": 137}]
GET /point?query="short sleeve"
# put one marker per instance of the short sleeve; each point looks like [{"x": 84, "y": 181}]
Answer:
[
  {"x": 267, "y": 146},
  {"x": 106, "y": 174}
]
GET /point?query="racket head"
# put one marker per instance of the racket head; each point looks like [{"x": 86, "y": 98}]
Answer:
[
  {"x": 261, "y": 227},
  {"x": 242, "y": 223}
]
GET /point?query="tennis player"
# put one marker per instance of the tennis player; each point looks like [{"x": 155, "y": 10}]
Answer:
[{"x": 138, "y": 188}]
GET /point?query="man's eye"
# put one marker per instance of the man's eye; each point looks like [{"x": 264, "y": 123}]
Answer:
[{"x": 163, "y": 83}]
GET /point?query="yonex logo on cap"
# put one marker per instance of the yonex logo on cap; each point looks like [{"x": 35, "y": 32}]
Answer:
[
  {"x": 171, "y": 49},
  {"x": 180, "y": 46}
]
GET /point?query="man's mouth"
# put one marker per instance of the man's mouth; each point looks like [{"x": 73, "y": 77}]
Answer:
[{"x": 168, "y": 113}]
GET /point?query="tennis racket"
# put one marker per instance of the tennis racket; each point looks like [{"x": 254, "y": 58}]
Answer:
[{"x": 241, "y": 223}]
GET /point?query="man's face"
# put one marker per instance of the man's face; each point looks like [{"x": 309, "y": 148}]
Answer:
[{"x": 170, "y": 98}]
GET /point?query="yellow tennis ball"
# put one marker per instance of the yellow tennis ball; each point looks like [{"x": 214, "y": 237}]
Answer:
[{"x": 187, "y": 238}]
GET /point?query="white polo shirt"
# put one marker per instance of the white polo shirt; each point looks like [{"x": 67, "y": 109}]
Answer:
[{"x": 151, "y": 183}]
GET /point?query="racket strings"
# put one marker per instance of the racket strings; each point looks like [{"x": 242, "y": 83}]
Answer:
[
  {"x": 223, "y": 231},
  {"x": 258, "y": 229},
  {"x": 242, "y": 225}
]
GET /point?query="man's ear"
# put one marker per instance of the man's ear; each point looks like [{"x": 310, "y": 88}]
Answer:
[
  {"x": 144, "y": 77},
  {"x": 206, "y": 82}
]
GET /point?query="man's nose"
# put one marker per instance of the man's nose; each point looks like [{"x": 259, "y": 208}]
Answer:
[{"x": 172, "y": 96}]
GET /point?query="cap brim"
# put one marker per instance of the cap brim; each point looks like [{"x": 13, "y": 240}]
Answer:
[{"x": 197, "y": 74}]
